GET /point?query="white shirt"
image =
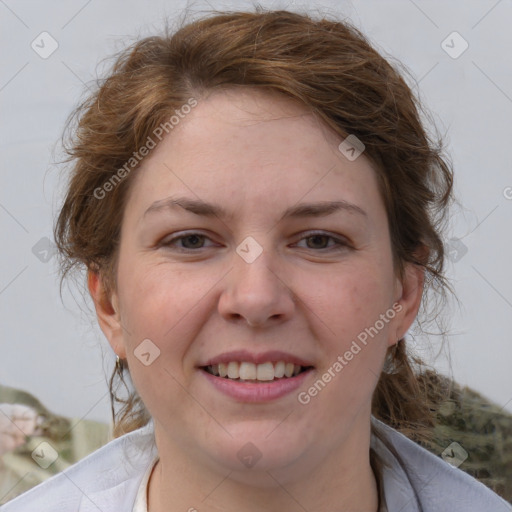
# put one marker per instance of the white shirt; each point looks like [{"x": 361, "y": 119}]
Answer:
[
  {"x": 109, "y": 480},
  {"x": 141, "y": 500}
]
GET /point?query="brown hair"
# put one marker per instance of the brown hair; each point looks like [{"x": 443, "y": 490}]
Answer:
[{"x": 330, "y": 68}]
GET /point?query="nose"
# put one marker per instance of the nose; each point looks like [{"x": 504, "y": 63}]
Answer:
[{"x": 256, "y": 293}]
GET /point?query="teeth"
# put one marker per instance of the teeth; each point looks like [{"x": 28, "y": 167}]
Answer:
[
  {"x": 266, "y": 371},
  {"x": 233, "y": 370},
  {"x": 223, "y": 370},
  {"x": 279, "y": 370},
  {"x": 255, "y": 372},
  {"x": 247, "y": 371}
]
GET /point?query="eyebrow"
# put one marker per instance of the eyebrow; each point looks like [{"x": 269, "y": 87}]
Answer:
[{"x": 319, "y": 209}]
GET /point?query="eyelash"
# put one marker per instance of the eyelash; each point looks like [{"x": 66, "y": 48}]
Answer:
[{"x": 341, "y": 244}]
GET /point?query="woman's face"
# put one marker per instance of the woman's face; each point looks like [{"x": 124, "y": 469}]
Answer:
[{"x": 249, "y": 259}]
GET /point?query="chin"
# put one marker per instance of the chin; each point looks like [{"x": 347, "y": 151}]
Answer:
[{"x": 252, "y": 453}]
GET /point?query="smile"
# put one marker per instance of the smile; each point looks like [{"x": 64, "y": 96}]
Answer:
[
  {"x": 254, "y": 390},
  {"x": 250, "y": 372}
]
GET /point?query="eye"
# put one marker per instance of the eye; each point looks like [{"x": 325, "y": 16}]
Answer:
[
  {"x": 320, "y": 240},
  {"x": 194, "y": 241},
  {"x": 187, "y": 242}
]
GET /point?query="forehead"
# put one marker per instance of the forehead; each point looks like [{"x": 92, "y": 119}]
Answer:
[{"x": 247, "y": 147}]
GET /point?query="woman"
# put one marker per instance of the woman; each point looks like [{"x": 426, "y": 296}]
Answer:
[{"x": 258, "y": 208}]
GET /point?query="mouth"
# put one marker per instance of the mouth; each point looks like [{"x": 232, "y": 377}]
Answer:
[
  {"x": 250, "y": 377},
  {"x": 245, "y": 371}
]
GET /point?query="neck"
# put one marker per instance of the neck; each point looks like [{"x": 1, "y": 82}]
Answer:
[{"x": 344, "y": 480}]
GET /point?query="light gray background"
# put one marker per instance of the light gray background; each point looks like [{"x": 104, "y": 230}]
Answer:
[{"x": 57, "y": 352}]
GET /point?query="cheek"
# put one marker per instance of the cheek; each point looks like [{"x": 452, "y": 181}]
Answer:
[
  {"x": 167, "y": 306},
  {"x": 354, "y": 342},
  {"x": 349, "y": 300},
  {"x": 156, "y": 296},
  {"x": 157, "y": 305}
]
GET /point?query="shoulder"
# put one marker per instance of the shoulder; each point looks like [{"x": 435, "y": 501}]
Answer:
[
  {"x": 415, "y": 479},
  {"x": 109, "y": 476}
]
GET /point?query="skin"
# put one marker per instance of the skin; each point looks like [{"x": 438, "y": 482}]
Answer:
[{"x": 256, "y": 154}]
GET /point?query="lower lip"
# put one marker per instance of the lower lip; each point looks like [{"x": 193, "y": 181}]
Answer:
[{"x": 255, "y": 392}]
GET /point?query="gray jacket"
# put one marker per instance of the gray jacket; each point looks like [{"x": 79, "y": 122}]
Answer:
[{"x": 413, "y": 480}]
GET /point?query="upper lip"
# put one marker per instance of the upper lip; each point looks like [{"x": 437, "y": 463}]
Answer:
[{"x": 250, "y": 357}]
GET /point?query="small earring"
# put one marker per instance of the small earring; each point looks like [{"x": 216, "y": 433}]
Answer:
[{"x": 119, "y": 364}]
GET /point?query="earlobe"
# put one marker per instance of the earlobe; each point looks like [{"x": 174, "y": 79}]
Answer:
[{"x": 107, "y": 312}]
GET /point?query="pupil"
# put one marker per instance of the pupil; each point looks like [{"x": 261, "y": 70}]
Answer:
[
  {"x": 195, "y": 239},
  {"x": 316, "y": 239}
]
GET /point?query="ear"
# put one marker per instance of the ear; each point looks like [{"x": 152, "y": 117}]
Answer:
[
  {"x": 408, "y": 294},
  {"x": 107, "y": 311}
]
